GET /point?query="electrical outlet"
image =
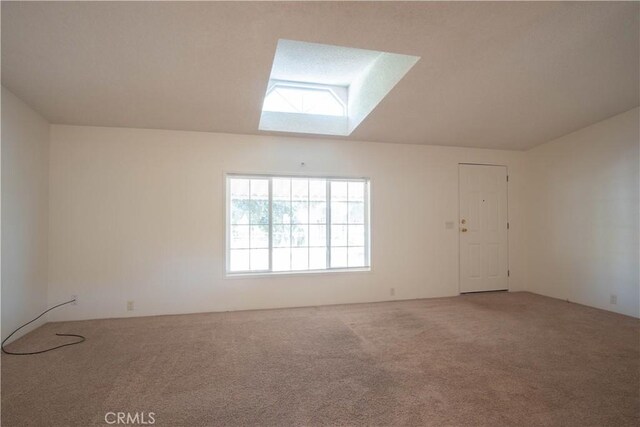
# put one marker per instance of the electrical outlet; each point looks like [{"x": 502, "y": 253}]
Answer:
[
  {"x": 613, "y": 299},
  {"x": 392, "y": 291},
  {"x": 129, "y": 305},
  {"x": 75, "y": 298}
]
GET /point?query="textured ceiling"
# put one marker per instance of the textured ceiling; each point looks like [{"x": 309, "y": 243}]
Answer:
[
  {"x": 320, "y": 63},
  {"x": 496, "y": 75}
]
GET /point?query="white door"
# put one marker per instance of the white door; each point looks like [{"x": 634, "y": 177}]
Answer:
[{"x": 483, "y": 228}]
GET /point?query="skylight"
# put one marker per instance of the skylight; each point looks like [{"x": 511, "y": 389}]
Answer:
[
  {"x": 303, "y": 100},
  {"x": 327, "y": 90}
]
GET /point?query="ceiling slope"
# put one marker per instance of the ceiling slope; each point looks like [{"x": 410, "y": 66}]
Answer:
[{"x": 495, "y": 75}]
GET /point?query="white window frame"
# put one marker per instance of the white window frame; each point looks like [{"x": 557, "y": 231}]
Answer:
[{"x": 328, "y": 269}]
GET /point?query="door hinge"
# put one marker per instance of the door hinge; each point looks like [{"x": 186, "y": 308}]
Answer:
[
  {"x": 507, "y": 178},
  {"x": 507, "y": 225},
  {"x": 508, "y": 273}
]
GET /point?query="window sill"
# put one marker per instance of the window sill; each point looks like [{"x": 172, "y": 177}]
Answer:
[{"x": 296, "y": 273}]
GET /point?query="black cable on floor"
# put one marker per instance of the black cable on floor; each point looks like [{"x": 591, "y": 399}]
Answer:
[{"x": 48, "y": 349}]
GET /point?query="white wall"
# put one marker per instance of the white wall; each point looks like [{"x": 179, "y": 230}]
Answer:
[
  {"x": 582, "y": 215},
  {"x": 139, "y": 215},
  {"x": 25, "y": 170}
]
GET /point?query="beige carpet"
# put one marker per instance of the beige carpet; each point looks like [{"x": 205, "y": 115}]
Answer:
[{"x": 483, "y": 359}]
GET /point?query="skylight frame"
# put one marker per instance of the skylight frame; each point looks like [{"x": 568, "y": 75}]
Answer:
[{"x": 362, "y": 79}]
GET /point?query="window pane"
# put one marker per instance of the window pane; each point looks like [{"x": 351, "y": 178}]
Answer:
[
  {"x": 240, "y": 211},
  {"x": 299, "y": 259},
  {"x": 356, "y": 257},
  {"x": 259, "y": 211},
  {"x": 239, "y": 188},
  {"x": 317, "y": 258},
  {"x": 239, "y": 236},
  {"x": 297, "y": 219},
  {"x": 300, "y": 189},
  {"x": 317, "y": 235},
  {"x": 281, "y": 236},
  {"x": 339, "y": 213},
  {"x": 281, "y": 189},
  {"x": 274, "y": 101},
  {"x": 322, "y": 102},
  {"x": 259, "y": 259},
  {"x": 338, "y": 257},
  {"x": 300, "y": 212},
  {"x": 318, "y": 213},
  {"x": 239, "y": 260},
  {"x": 356, "y": 213},
  {"x": 259, "y": 236},
  {"x": 281, "y": 212},
  {"x": 299, "y": 235},
  {"x": 338, "y": 235},
  {"x": 338, "y": 191},
  {"x": 281, "y": 259},
  {"x": 356, "y": 235},
  {"x": 356, "y": 191},
  {"x": 318, "y": 190},
  {"x": 259, "y": 189},
  {"x": 294, "y": 99},
  {"x": 293, "y": 96}
]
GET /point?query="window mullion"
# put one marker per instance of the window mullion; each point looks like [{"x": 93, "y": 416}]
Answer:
[
  {"x": 250, "y": 224},
  {"x": 228, "y": 225},
  {"x": 348, "y": 222},
  {"x": 270, "y": 224},
  {"x": 328, "y": 227},
  {"x": 308, "y": 224},
  {"x": 367, "y": 250},
  {"x": 290, "y": 224}
]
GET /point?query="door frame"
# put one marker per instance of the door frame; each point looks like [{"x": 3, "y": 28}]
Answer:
[{"x": 458, "y": 225}]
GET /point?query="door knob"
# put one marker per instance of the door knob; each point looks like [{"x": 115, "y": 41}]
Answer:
[
  {"x": 464, "y": 230},
  {"x": 464, "y": 221}
]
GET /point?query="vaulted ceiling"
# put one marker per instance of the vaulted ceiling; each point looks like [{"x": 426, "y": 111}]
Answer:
[{"x": 496, "y": 75}]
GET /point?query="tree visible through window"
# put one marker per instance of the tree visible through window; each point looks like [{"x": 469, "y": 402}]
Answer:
[{"x": 279, "y": 224}]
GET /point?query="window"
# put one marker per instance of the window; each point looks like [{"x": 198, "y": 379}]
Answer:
[
  {"x": 285, "y": 224},
  {"x": 305, "y": 100}
]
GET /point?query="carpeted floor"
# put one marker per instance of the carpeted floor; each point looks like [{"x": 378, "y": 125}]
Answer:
[{"x": 483, "y": 359}]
